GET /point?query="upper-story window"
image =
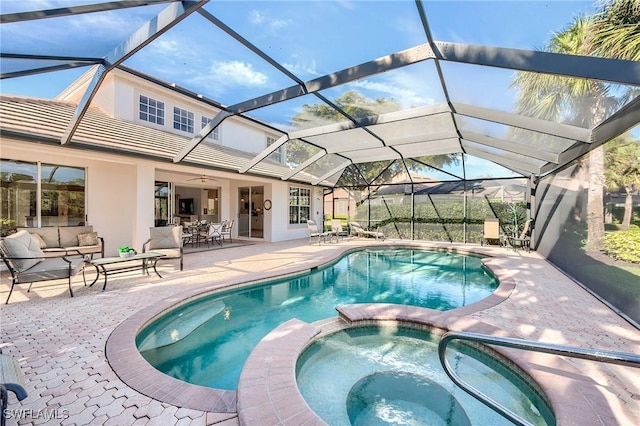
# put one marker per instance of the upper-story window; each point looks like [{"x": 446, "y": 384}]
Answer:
[
  {"x": 151, "y": 110},
  {"x": 182, "y": 120},
  {"x": 277, "y": 154},
  {"x": 215, "y": 135}
]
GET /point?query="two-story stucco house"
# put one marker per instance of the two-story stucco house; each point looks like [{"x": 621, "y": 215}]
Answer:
[{"x": 118, "y": 174}]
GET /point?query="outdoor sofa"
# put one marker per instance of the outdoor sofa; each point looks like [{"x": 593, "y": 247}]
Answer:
[{"x": 59, "y": 240}]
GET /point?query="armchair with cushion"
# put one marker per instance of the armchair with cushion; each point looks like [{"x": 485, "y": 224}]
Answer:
[
  {"x": 166, "y": 240},
  {"x": 27, "y": 263}
]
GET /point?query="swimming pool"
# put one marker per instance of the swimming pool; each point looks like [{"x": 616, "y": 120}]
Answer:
[
  {"x": 207, "y": 341},
  {"x": 378, "y": 376}
]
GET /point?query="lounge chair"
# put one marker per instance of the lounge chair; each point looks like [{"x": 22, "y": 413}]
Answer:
[
  {"x": 27, "y": 263},
  {"x": 166, "y": 240},
  {"x": 359, "y": 231},
  {"x": 314, "y": 231},
  {"x": 491, "y": 232}
]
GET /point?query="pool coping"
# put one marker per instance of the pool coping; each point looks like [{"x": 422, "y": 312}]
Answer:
[
  {"x": 130, "y": 366},
  {"x": 267, "y": 388}
]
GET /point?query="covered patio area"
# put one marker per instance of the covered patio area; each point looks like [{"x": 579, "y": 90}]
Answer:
[{"x": 59, "y": 341}]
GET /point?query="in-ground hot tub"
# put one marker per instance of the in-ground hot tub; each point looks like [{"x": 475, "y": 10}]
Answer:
[{"x": 378, "y": 376}]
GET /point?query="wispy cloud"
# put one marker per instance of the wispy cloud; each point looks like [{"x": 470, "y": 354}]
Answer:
[
  {"x": 256, "y": 17},
  {"x": 166, "y": 46},
  {"x": 270, "y": 25},
  {"x": 302, "y": 69},
  {"x": 399, "y": 88},
  {"x": 237, "y": 73}
]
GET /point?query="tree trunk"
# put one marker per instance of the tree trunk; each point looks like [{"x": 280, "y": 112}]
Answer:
[
  {"x": 628, "y": 210},
  {"x": 595, "y": 200}
]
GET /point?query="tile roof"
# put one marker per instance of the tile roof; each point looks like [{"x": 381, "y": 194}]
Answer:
[{"x": 44, "y": 119}]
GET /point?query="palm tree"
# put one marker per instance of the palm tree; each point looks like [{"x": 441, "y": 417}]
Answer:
[
  {"x": 622, "y": 160},
  {"x": 616, "y": 30},
  {"x": 584, "y": 102}
]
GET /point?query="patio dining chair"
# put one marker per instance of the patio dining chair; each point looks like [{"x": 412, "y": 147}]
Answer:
[
  {"x": 315, "y": 232},
  {"x": 337, "y": 230},
  {"x": 227, "y": 226},
  {"x": 214, "y": 234}
]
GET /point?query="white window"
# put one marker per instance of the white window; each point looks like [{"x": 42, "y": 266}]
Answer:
[
  {"x": 277, "y": 154},
  {"x": 215, "y": 135},
  {"x": 151, "y": 110},
  {"x": 299, "y": 204},
  {"x": 182, "y": 120}
]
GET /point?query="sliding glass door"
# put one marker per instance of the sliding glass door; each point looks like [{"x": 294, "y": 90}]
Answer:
[
  {"x": 164, "y": 211},
  {"x": 251, "y": 212},
  {"x": 37, "y": 194}
]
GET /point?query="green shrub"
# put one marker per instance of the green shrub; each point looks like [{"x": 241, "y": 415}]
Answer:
[{"x": 623, "y": 245}]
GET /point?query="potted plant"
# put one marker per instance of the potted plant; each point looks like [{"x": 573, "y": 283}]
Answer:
[{"x": 126, "y": 251}]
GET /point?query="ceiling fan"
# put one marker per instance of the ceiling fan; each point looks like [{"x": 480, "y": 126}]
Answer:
[{"x": 203, "y": 178}]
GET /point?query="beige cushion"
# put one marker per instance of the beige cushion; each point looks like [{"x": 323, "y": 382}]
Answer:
[
  {"x": 39, "y": 240},
  {"x": 49, "y": 235},
  {"x": 69, "y": 234},
  {"x": 21, "y": 244},
  {"x": 173, "y": 253},
  {"x": 73, "y": 250},
  {"x": 88, "y": 239},
  {"x": 165, "y": 237}
]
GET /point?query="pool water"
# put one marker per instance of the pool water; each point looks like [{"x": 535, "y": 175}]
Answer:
[
  {"x": 207, "y": 341},
  {"x": 393, "y": 376}
]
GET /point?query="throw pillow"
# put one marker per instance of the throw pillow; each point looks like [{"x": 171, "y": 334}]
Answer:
[
  {"x": 88, "y": 239},
  {"x": 41, "y": 243},
  {"x": 69, "y": 234},
  {"x": 21, "y": 244}
]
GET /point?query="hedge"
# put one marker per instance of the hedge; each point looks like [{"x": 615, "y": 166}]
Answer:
[{"x": 623, "y": 245}]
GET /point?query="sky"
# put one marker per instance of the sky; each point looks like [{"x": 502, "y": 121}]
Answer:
[{"x": 309, "y": 38}]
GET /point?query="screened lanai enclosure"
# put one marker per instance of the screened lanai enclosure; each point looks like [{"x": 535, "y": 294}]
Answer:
[{"x": 420, "y": 119}]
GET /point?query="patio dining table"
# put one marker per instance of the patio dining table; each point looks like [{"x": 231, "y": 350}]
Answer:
[{"x": 194, "y": 234}]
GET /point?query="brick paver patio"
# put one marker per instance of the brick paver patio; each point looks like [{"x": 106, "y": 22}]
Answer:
[{"x": 60, "y": 341}]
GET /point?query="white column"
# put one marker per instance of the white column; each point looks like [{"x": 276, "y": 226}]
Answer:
[{"x": 144, "y": 204}]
